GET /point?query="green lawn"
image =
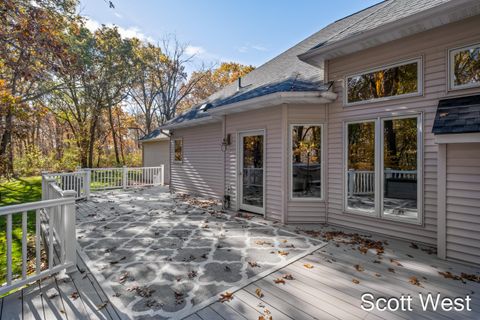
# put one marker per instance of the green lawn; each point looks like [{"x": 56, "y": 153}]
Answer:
[{"x": 17, "y": 191}]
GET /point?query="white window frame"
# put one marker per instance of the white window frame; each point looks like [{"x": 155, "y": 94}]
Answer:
[
  {"x": 418, "y": 60},
  {"x": 174, "y": 151},
  {"x": 290, "y": 164},
  {"x": 375, "y": 212},
  {"x": 451, "y": 71},
  {"x": 378, "y": 211}
]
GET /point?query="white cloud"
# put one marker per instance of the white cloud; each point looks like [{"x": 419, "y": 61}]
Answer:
[
  {"x": 248, "y": 47},
  {"x": 194, "y": 50},
  {"x": 130, "y": 32},
  {"x": 118, "y": 15}
]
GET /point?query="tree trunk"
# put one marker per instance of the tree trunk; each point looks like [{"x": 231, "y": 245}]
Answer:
[
  {"x": 114, "y": 136},
  {"x": 6, "y": 148},
  {"x": 91, "y": 147}
]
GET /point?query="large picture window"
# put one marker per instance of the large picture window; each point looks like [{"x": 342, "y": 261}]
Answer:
[
  {"x": 178, "y": 146},
  {"x": 464, "y": 66},
  {"x": 386, "y": 184},
  {"x": 306, "y": 161},
  {"x": 391, "y": 81}
]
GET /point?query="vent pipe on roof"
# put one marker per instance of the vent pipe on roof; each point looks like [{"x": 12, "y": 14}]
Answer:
[{"x": 239, "y": 83}]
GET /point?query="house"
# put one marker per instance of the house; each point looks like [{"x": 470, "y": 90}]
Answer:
[
  {"x": 156, "y": 151},
  {"x": 371, "y": 123}
]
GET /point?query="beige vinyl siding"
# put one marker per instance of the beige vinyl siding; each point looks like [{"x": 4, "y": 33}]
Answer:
[
  {"x": 463, "y": 202},
  {"x": 270, "y": 120},
  {"x": 201, "y": 170},
  {"x": 432, "y": 46},
  {"x": 303, "y": 211},
  {"x": 156, "y": 153}
]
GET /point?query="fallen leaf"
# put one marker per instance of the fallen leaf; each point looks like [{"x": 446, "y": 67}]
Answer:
[
  {"x": 395, "y": 262},
  {"x": 391, "y": 270},
  {"x": 74, "y": 295},
  {"x": 101, "y": 306},
  {"x": 355, "y": 281},
  {"x": 279, "y": 280},
  {"x": 253, "y": 264},
  {"x": 225, "y": 297},
  {"x": 288, "y": 277},
  {"x": 259, "y": 293},
  {"x": 413, "y": 280},
  {"x": 378, "y": 275},
  {"x": 359, "y": 268},
  {"x": 283, "y": 253},
  {"x": 308, "y": 266}
]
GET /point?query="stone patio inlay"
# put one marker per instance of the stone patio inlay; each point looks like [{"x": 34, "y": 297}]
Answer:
[{"x": 156, "y": 254}]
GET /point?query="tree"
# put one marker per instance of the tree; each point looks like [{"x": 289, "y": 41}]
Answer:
[
  {"x": 31, "y": 49},
  {"x": 210, "y": 81}
]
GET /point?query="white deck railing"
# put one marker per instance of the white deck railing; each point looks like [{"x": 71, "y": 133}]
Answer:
[
  {"x": 54, "y": 227},
  {"x": 83, "y": 181},
  {"x": 363, "y": 182}
]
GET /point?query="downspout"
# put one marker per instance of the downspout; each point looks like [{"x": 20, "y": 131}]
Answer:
[{"x": 224, "y": 146}]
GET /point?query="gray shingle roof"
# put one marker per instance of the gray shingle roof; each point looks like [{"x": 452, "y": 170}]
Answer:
[
  {"x": 157, "y": 133},
  {"x": 381, "y": 14},
  {"x": 458, "y": 115}
]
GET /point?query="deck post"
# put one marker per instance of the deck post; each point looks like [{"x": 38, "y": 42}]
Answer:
[
  {"x": 86, "y": 182},
  {"x": 162, "y": 179},
  {"x": 70, "y": 232},
  {"x": 125, "y": 177}
]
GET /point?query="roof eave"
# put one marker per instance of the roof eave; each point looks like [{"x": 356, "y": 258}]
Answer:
[
  {"x": 278, "y": 98},
  {"x": 190, "y": 123},
  {"x": 443, "y": 14}
]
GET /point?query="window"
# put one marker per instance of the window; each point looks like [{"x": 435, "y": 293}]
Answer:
[
  {"x": 306, "y": 161},
  {"x": 382, "y": 168},
  {"x": 464, "y": 66},
  {"x": 361, "y": 166},
  {"x": 402, "y": 79},
  {"x": 178, "y": 147}
]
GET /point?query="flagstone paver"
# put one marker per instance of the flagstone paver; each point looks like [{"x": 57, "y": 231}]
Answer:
[{"x": 159, "y": 254}]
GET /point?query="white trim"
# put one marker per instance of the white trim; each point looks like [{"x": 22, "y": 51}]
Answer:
[
  {"x": 379, "y": 169},
  {"x": 174, "y": 151},
  {"x": 471, "y": 137},
  {"x": 451, "y": 71},
  {"x": 190, "y": 123},
  {"x": 419, "y": 92},
  {"x": 273, "y": 99},
  {"x": 290, "y": 164},
  {"x": 442, "y": 201},
  {"x": 240, "y": 205},
  {"x": 346, "y": 209}
]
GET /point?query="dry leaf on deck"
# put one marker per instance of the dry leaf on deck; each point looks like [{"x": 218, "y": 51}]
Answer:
[
  {"x": 359, "y": 268},
  {"x": 355, "y": 281},
  {"x": 74, "y": 295},
  {"x": 283, "y": 253},
  {"x": 288, "y": 277},
  {"x": 378, "y": 275},
  {"x": 279, "y": 280},
  {"x": 259, "y": 293},
  {"x": 391, "y": 270},
  {"x": 395, "y": 262},
  {"x": 308, "y": 266},
  {"x": 253, "y": 264},
  {"x": 413, "y": 280},
  {"x": 225, "y": 297}
]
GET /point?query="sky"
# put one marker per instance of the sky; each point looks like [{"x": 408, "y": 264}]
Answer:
[{"x": 245, "y": 31}]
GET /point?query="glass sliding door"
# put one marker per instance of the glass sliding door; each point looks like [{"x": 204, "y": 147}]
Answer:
[
  {"x": 400, "y": 167},
  {"x": 252, "y": 164},
  {"x": 360, "y": 167}
]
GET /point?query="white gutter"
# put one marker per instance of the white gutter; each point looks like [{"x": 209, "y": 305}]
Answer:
[
  {"x": 440, "y": 15},
  {"x": 274, "y": 99},
  {"x": 269, "y": 100}
]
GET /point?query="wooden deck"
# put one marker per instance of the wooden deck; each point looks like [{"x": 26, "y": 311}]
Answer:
[{"x": 325, "y": 291}]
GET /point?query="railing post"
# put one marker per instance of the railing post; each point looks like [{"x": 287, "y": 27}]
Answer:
[
  {"x": 125, "y": 177},
  {"x": 162, "y": 179},
  {"x": 87, "y": 178},
  {"x": 351, "y": 175},
  {"x": 70, "y": 232}
]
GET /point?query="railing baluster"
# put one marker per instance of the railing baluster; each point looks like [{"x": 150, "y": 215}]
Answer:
[
  {"x": 24, "y": 245},
  {"x": 50, "y": 237},
  {"x": 38, "y": 249},
  {"x": 9, "y": 249}
]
